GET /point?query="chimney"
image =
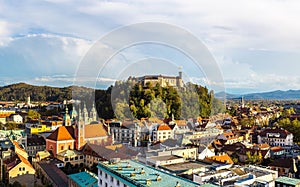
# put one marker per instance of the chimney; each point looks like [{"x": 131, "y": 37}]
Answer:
[
  {"x": 158, "y": 178},
  {"x": 142, "y": 171},
  {"x": 148, "y": 181},
  {"x": 177, "y": 184}
]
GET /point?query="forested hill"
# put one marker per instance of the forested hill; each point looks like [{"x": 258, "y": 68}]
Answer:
[
  {"x": 127, "y": 100},
  {"x": 20, "y": 92}
]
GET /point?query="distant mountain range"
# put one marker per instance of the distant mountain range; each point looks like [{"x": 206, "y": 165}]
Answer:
[
  {"x": 21, "y": 91},
  {"x": 278, "y": 94}
]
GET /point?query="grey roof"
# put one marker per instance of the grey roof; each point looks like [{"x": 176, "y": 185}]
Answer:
[
  {"x": 6, "y": 144},
  {"x": 55, "y": 174},
  {"x": 170, "y": 143}
]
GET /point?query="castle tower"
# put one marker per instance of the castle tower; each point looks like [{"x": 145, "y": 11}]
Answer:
[
  {"x": 179, "y": 81},
  {"x": 180, "y": 72}
]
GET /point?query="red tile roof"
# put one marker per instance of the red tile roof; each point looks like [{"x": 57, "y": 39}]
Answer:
[
  {"x": 94, "y": 130},
  {"x": 283, "y": 133},
  {"x": 221, "y": 158},
  {"x": 61, "y": 133},
  {"x": 164, "y": 127},
  {"x": 24, "y": 160},
  {"x": 277, "y": 149}
]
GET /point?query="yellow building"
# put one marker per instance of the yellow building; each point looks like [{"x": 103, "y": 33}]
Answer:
[
  {"x": 19, "y": 150},
  {"x": 18, "y": 166},
  {"x": 35, "y": 129},
  {"x": 72, "y": 156}
]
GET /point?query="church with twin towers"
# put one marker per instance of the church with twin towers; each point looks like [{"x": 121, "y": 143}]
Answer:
[{"x": 78, "y": 129}]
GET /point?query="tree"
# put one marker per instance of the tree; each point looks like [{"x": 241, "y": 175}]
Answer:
[
  {"x": 16, "y": 184},
  {"x": 256, "y": 158},
  {"x": 158, "y": 108},
  {"x": 247, "y": 122},
  {"x": 33, "y": 115},
  {"x": 288, "y": 112},
  {"x": 217, "y": 106}
]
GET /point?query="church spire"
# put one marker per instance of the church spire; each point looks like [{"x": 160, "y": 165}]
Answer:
[
  {"x": 67, "y": 119},
  {"x": 85, "y": 114},
  {"x": 93, "y": 113}
]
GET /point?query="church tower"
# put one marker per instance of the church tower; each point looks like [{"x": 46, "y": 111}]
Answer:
[
  {"x": 85, "y": 115},
  {"x": 79, "y": 130},
  {"x": 74, "y": 114},
  {"x": 93, "y": 113},
  {"x": 67, "y": 119}
]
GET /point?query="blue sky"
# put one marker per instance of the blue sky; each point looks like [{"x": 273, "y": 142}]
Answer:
[{"x": 255, "y": 43}]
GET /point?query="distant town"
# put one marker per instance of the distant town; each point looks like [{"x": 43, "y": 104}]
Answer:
[{"x": 69, "y": 143}]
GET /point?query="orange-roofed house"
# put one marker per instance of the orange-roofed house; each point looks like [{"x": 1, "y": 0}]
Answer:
[
  {"x": 60, "y": 140},
  {"x": 91, "y": 133},
  {"x": 5, "y": 114},
  {"x": 162, "y": 132},
  {"x": 277, "y": 151},
  {"x": 228, "y": 137},
  {"x": 17, "y": 166},
  {"x": 222, "y": 158},
  {"x": 20, "y": 150}
]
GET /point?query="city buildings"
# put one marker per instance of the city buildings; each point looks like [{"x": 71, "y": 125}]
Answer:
[
  {"x": 287, "y": 182},
  {"x": 34, "y": 144},
  {"x": 276, "y": 137},
  {"x": 83, "y": 179},
  {"x": 133, "y": 173}
]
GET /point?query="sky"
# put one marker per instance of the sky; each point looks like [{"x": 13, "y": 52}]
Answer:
[{"x": 254, "y": 43}]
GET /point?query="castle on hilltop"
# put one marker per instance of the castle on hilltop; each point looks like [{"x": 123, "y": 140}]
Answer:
[{"x": 164, "y": 81}]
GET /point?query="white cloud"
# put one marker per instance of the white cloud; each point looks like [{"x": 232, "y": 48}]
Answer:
[
  {"x": 56, "y": 34},
  {"x": 41, "y": 54}
]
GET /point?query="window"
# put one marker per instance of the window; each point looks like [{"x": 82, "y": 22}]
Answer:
[
  {"x": 66, "y": 159},
  {"x": 118, "y": 182},
  {"x": 62, "y": 147}
]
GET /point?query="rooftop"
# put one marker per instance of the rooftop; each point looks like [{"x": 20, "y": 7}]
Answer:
[
  {"x": 137, "y": 174},
  {"x": 94, "y": 130},
  {"x": 180, "y": 167},
  {"x": 287, "y": 180},
  {"x": 84, "y": 179},
  {"x": 164, "y": 158},
  {"x": 61, "y": 133},
  {"x": 164, "y": 127},
  {"x": 56, "y": 175},
  {"x": 69, "y": 153},
  {"x": 208, "y": 185}
]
